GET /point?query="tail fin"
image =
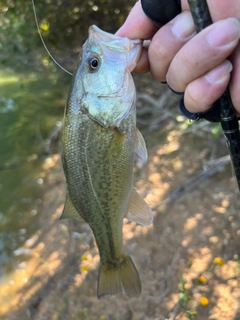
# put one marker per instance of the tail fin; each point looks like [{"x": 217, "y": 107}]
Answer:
[{"x": 122, "y": 279}]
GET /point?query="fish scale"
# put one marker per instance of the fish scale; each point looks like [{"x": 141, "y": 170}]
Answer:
[
  {"x": 117, "y": 176},
  {"x": 99, "y": 144}
]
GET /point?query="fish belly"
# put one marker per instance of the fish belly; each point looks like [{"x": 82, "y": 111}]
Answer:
[{"x": 98, "y": 165}]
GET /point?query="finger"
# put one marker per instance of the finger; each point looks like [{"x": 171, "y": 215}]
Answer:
[
  {"x": 167, "y": 42},
  {"x": 235, "y": 79},
  {"x": 143, "y": 62},
  {"x": 137, "y": 25},
  {"x": 223, "y": 9},
  {"x": 201, "y": 93},
  {"x": 204, "y": 52}
]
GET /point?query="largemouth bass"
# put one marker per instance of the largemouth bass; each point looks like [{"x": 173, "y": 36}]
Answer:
[{"x": 100, "y": 141}]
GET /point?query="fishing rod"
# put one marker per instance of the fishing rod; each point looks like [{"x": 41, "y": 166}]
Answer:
[{"x": 229, "y": 122}]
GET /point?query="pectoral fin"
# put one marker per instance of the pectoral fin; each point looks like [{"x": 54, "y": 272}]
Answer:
[
  {"x": 140, "y": 145},
  {"x": 69, "y": 210},
  {"x": 138, "y": 210}
]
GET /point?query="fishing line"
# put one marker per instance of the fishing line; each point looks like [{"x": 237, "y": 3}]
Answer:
[{"x": 39, "y": 32}]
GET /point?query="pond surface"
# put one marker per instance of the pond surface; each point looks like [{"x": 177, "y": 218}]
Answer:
[
  {"x": 31, "y": 110},
  {"x": 32, "y": 101},
  {"x": 48, "y": 269}
]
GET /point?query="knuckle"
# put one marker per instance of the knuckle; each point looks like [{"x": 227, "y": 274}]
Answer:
[
  {"x": 159, "y": 52},
  {"x": 189, "y": 61},
  {"x": 159, "y": 61}
]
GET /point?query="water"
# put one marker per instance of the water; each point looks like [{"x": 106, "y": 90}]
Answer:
[
  {"x": 33, "y": 94},
  {"x": 31, "y": 106}
]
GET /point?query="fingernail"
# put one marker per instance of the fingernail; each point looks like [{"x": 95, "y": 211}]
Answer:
[
  {"x": 183, "y": 26},
  {"x": 224, "y": 33},
  {"x": 218, "y": 74}
]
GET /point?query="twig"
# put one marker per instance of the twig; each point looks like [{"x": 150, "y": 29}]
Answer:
[
  {"x": 204, "y": 125},
  {"x": 174, "y": 312},
  {"x": 157, "y": 103},
  {"x": 194, "y": 181},
  {"x": 158, "y": 299}
]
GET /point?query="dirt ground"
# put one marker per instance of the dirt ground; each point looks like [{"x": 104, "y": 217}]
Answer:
[{"x": 188, "y": 259}]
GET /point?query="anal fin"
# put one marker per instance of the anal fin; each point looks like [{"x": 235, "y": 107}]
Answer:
[
  {"x": 69, "y": 210},
  {"x": 138, "y": 209}
]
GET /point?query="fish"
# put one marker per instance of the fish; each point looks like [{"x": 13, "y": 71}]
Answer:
[{"x": 99, "y": 144}]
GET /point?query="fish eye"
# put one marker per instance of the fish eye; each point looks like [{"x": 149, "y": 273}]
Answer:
[{"x": 93, "y": 63}]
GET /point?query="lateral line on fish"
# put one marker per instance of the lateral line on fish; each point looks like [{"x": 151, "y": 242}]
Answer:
[
  {"x": 39, "y": 32},
  {"x": 111, "y": 243}
]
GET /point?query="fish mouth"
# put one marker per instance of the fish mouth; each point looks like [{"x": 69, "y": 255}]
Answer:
[
  {"x": 115, "y": 43},
  {"x": 94, "y": 29},
  {"x": 113, "y": 99}
]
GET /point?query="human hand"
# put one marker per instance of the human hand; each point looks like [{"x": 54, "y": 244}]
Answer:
[{"x": 192, "y": 63}]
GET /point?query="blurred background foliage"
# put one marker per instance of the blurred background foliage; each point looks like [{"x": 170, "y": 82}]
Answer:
[
  {"x": 33, "y": 89},
  {"x": 33, "y": 93},
  {"x": 63, "y": 24}
]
